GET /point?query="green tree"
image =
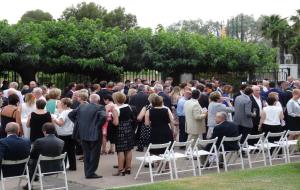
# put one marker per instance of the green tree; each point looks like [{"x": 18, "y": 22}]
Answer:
[
  {"x": 118, "y": 18},
  {"x": 36, "y": 16},
  {"x": 84, "y": 10}
]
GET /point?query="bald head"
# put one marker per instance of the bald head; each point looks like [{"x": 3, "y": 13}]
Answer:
[
  {"x": 12, "y": 128},
  {"x": 256, "y": 91},
  {"x": 94, "y": 98},
  {"x": 221, "y": 117}
]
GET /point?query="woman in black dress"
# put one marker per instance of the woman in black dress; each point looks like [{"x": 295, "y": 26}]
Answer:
[
  {"x": 124, "y": 135},
  {"x": 160, "y": 119},
  {"x": 37, "y": 119}
]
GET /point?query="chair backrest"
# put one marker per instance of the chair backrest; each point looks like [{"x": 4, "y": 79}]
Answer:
[
  {"x": 259, "y": 139},
  {"x": 15, "y": 162},
  {"x": 292, "y": 133},
  {"x": 187, "y": 144},
  {"x": 158, "y": 146},
  {"x": 13, "y": 168},
  {"x": 231, "y": 139},
  {"x": 281, "y": 134},
  {"x": 48, "y": 158},
  {"x": 52, "y": 164},
  {"x": 211, "y": 142}
]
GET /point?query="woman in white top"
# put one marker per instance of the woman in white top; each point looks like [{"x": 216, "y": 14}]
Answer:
[
  {"x": 271, "y": 118},
  {"x": 65, "y": 130},
  {"x": 26, "y": 109}
]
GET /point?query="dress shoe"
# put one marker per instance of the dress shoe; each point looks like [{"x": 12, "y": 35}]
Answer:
[{"x": 94, "y": 176}]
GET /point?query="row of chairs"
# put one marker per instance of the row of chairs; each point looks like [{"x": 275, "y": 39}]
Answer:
[
  {"x": 37, "y": 172},
  {"x": 257, "y": 148}
]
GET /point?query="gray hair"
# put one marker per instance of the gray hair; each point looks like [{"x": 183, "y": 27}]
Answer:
[
  {"x": 14, "y": 85},
  {"x": 37, "y": 90},
  {"x": 158, "y": 88},
  {"x": 141, "y": 88},
  {"x": 94, "y": 98},
  {"x": 12, "y": 128},
  {"x": 223, "y": 115}
]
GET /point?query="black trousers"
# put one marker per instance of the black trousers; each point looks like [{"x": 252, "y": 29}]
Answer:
[
  {"x": 91, "y": 153},
  {"x": 182, "y": 134},
  {"x": 244, "y": 131},
  {"x": 69, "y": 147}
]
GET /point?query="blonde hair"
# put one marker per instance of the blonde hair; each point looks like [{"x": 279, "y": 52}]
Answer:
[
  {"x": 54, "y": 93},
  {"x": 29, "y": 99},
  {"x": 131, "y": 92},
  {"x": 119, "y": 97}
]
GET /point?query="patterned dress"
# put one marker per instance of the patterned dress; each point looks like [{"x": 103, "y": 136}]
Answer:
[{"x": 125, "y": 132}]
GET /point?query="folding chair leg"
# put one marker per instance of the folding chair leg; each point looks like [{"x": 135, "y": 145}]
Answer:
[
  {"x": 2, "y": 182},
  {"x": 288, "y": 153},
  {"x": 65, "y": 175},
  {"x": 193, "y": 165},
  {"x": 270, "y": 157},
  {"x": 199, "y": 165},
  {"x": 217, "y": 162},
  {"x": 224, "y": 160},
  {"x": 264, "y": 156},
  {"x": 150, "y": 171},
  {"x": 40, "y": 177},
  {"x": 249, "y": 159},
  {"x": 170, "y": 168},
  {"x": 241, "y": 157},
  {"x": 139, "y": 170},
  {"x": 175, "y": 168}
]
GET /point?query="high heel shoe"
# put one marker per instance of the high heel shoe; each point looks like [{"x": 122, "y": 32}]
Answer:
[
  {"x": 120, "y": 173},
  {"x": 128, "y": 171}
]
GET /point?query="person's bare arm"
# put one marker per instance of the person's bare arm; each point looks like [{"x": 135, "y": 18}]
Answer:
[
  {"x": 28, "y": 121},
  {"x": 147, "y": 119},
  {"x": 142, "y": 114},
  {"x": 262, "y": 119}
]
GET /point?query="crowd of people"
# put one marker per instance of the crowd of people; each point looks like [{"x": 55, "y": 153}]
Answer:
[{"x": 107, "y": 118}]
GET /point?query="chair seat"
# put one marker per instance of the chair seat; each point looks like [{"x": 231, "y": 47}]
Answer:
[
  {"x": 292, "y": 142},
  {"x": 269, "y": 145},
  {"x": 250, "y": 147},
  {"x": 152, "y": 158},
  {"x": 201, "y": 153},
  {"x": 177, "y": 155}
]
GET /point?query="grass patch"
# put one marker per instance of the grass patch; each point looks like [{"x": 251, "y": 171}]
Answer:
[{"x": 282, "y": 177}]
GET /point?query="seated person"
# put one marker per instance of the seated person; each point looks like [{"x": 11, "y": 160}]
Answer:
[
  {"x": 13, "y": 148},
  {"x": 50, "y": 146},
  {"x": 225, "y": 128}
]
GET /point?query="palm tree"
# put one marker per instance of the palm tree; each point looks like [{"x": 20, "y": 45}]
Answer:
[
  {"x": 276, "y": 29},
  {"x": 296, "y": 21}
]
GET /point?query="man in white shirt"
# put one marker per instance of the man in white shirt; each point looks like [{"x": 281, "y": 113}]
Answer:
[
  {"x": 257, "y": 106},
  {"x": 13, "y": 86}
]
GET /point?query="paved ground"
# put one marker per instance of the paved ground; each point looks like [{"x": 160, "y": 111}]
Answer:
[{"x": 78, "y": 182}]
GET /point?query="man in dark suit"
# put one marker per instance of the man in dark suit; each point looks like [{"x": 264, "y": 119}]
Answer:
[
  {"x": 140, "y": 99},
  {"x": 158, "y": 88},
  {"x": 103, "y": 92},
  {"x": 225, "y": 128},
  {"x": 257, "y": 105},
  {"x": 243, "y": 113},
  {"x": 50, "y": 146},
  {"x": 88, "y": 119},
  {"x": 13, "y": 148}
]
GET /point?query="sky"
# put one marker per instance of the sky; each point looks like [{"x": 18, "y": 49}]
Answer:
[{"x": 150, "y": 13}]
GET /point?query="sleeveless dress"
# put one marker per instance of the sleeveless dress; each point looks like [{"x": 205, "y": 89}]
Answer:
[
  {"x": 5, "y": 120},
  {"x": 36, "y": 123},
  {"x": 160, "y": 130},
  {"x": 51, "y": 106},
  {"x": 26, "y": 111},
  {"x": 144, "y": 139},
  {"x": 125, "y": 132}
]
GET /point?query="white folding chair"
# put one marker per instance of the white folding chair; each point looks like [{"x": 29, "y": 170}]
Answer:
[
  {"x": 231, "y": 152},
  {"x": 256, "y": 150},
  {"x": 291, "y": 145},
  {"x": 273, "y": 148},
  {"x": 38, "y": 170},
  {"x": 24, "y": 174},
  {"x": 211, "y": 153},
  {"x": 151, "y": 159},
  {"x": 187, "y": 155}
]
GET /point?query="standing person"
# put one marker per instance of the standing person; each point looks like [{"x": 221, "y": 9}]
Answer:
[
  {"x": 125, "y": 135},
  {"x": 103, "y": 91},
  {"x": 65, "y": 130},
  {"x": 257, "y": 107},
  {"x": 243, "y": 114},
  {"x": 216, "y": 105},
  {"x": 26, "y": 109},
  {"x": 37, "y": 119},
  {"x": 14, "y": 87},
  {"x": 10, "y": 113},
  {"x": 158, "y": 88},
  {"x": 293, "y": 112},
  {"x": 89, "y": 118},
  {"x": 70, "y": 90},
  {"x": 271, "y": 118},
  {"x": 54, "y": 96},
  {"x": 194, "y": 117},
  {"x": 181, "y": 115},
  {"x": 160, "y": 119},
  {"x": 38, "y": 94}
]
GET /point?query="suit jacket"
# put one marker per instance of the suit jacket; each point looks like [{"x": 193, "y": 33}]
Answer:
[
  {"x": 243, "y": 114},
  {"x": 88, "y": 120},
  {"x": 14, "y": 148},
  {"x": 194, "y": 118},
  {"x": 228, "y": 129},
  {"x": 47, "y": 146},
  {"x": 166, "y": 99},
  {"x": 139, "y": 101},
  {"x": 256, "y": 119},
  {"x": 102, "y": 93}
]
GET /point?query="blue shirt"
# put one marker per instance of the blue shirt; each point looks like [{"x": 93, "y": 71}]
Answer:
[{"x": 180, "y": 106}]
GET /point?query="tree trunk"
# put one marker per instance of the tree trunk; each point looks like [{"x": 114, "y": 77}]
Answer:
[
  {"x": 281, "y": 49},
  {"x": 27, "y": 75}
]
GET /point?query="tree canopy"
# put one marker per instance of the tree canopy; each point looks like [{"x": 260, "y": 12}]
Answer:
[{"x": 36, "y": 16}]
